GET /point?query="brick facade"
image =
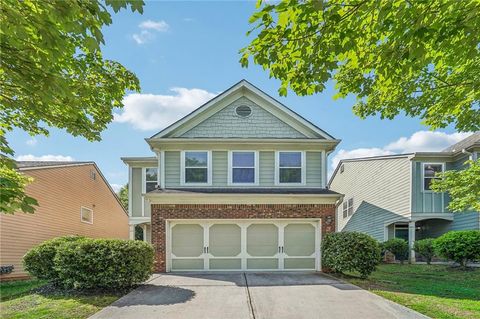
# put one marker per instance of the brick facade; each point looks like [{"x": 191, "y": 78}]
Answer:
[{"x": 162, "y": 212}]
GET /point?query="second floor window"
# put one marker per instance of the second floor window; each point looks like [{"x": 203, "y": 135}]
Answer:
[
  {"x": 429, "y": 172},
  {"x": 348, "y": 208},
  {"x": 290, "y": 167},
  {"x": 150, "y": 179},
  {"x": 196, "y": 167},
  {"x": 243, "y": 167}
]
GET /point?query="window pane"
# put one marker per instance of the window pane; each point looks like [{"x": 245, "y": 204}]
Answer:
[
  {"x": 243, "y": 175},
  {"x": 196, "y": 159},
  {"x": 350, "y": 202},
  {"x": 290, "y": 175},
  {"x": 243, "y": 159},
  {"x": 350, "y": 211},
  {"x": 426, "y": 183},
  {"x": 401, "y": 233},
  {"x": 195, "y": 175},
  {"x": 431, "y": 169},
  {"x": 290, "y": 159},
  {"x": 150, "y": 186},
  {"x": 151, "y": 174}
]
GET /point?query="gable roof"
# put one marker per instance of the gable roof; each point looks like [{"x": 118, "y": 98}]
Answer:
[
  {"x": 243, "y": 85},
  {"x": 465, "y": 143}
]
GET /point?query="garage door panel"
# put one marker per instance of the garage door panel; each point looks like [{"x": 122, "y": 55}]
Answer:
[
  {"x": 262, "y": 240},
  {"x": 299, "y": 239},
  {"x": 187, "y": 264},
  {"x": 299, "y": 263},
  {"x": 224, "y": 240},
  {"x": 230, "y": 264},
  {"x": 187, "y": 240},
  {"x": 262, "y": 263}
]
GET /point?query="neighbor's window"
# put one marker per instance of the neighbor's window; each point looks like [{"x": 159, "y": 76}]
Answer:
[
  {"x": 401, "y": 231},
  {"x": 243, "y": 167},
  {"x": 196, "y": 167},
  {"x": 348, "y": 208},
  {"x": 290, "y": 167},
  {"x": 150, "y": 179},
  {"x": 429, "y": 172},
  {"x": 86, "y": 215}
]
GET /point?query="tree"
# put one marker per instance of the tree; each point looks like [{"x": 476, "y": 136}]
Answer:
[
  {"x": 53, "y": 75},
  {"x": 123, "y": 196},
  {"x": 463, "y": 187},
  {"x": 419, "y": 58}
]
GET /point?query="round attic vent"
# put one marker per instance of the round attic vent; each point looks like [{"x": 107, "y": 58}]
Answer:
[{"x": 243, "y": 110}]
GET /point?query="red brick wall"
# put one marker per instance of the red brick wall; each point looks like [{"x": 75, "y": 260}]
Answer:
[{"x": 161, "y": 212}]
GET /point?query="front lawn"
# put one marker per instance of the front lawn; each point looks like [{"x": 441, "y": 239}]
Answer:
[
  {"x": 437, "y": 291},
  {"x": 36, "y": 299}
]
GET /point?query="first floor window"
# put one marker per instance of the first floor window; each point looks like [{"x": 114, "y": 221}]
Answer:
[
  {"x": 290, "y": 167},
  {"x": 401, "y": 231},
  {"x": 196, "y": 167},
  {"x": 86, "y": 215},
  {"x": 150, "y": 179},
  {"x": 347, "y": 208},
  {"x": 243, "y": 167},
  {"x": 429, "y": 173}
]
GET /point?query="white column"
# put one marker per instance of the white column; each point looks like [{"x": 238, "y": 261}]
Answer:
[
  {"x": 144, "y": 227},
  {"x": 131, "y": 232},
  {"x": 411, "y": 240}
]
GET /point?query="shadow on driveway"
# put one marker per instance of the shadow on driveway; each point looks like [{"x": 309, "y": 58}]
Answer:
[{"x": 154, "y": 295}]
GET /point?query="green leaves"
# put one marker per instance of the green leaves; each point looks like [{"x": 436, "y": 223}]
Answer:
[
  {"x": 422, "y": 59},
  {"x": 53, "y": 75}
]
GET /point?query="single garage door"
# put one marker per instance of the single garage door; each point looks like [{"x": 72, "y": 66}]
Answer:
[{"x": 227, "y": 245}]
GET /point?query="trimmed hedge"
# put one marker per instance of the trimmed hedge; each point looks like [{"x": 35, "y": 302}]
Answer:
[
  {"x": 38, "y": 261},
  {"x": 398, "y": 247},
  {"x": 86, "y": 263},
  {"x": 350, "y": 252},
  {"x": 460, "y": 246},
  {"x": 424, "y": 247},
  {"x": 104, "y": 263}
]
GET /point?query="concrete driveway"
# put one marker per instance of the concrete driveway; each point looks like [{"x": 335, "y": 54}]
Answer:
[{"x": 253, "y": 296}]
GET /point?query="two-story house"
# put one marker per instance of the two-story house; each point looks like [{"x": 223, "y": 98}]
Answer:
[
  {"x": 390, "y": 196},
  {"x": 238, "y": 184}
]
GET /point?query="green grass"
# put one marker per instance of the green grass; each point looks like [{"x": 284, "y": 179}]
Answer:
[
  {"x": 20, "y": 299},
  {"x": 437, "y": 291}
]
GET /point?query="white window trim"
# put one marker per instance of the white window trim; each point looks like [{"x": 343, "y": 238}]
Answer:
[
  {"x": 81, "y": 213},
  {"x": 209, "y": 169},
  {"x": 303, "y": 168},
  {"x": 144, "y": 178},
  {"x": 348, "y": 206},
  {"x": 423, "y": 174},
  {"x": 256, "y": 168}
]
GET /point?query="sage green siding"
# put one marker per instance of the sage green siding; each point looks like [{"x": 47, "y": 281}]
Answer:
[
  {"x": 136, "y": 185},
  {"x": 380, "y": 189},
  {"x": 425, "y": 201},
  {"x": 266, "y": 168}
]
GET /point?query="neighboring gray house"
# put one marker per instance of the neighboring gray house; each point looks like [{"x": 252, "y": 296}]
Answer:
[
  {"x": 238, "y": 184},
  {"x": 390, "y": 196}
]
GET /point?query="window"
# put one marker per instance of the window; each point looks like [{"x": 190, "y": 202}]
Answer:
[
  {"x": 242, "y": 167},
  {"x": 195, "y": 165},
  {"x": 243, "y": 110},
  {"x": 290, "y": 167},
  {"x": 429, "y": 172},
  {"x": 86, "y": 215},
  {"x": 401, "y": 231},
  {"x": 150, "y": 179},
  {"x": 348, "y": 208}
]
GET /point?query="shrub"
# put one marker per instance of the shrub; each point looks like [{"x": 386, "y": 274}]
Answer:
[
  {"x": 103, "y": 263},
  {"x": 38, "y": 261},
  {"x": 398, "y": 247},
  {"x": 425, "y": 248},
  {"x": 350, "y": 251},
  {"x": 460, "y": 246}
]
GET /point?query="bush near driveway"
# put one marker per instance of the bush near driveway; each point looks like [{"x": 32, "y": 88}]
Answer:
[
  {"x": 460, "y": 246},
  {"x": 38, "y": 261},
  {"x": 103, "y": 263},
  {"x": 350, "y": 252},
  {"x": 424, "y": 247},
  {"x": 398, "y": 247}
]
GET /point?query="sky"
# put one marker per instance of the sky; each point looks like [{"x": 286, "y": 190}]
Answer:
[{"x": 185, "y": 53}]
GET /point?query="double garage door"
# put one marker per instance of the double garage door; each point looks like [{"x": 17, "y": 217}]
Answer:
[{"x": 243, "y": 245}]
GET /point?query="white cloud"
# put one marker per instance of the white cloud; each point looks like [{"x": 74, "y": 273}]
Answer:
[
  {"x": 148, "y": 29},
  {"x": 31, "y": 142},
  {"x": 154, "y": 111},
  {"x": 116, "y": 187},
  {"x": 160, "y": 26},
  {"x": 421, "y": 141},
  {"x": 49, "y": 157}
]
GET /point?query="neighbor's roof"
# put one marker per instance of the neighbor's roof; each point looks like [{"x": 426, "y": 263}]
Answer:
[
  {"x": 465, "y": 143},
  {"x": 286, "y": 191},
  {"x": 39, "y": 164}
]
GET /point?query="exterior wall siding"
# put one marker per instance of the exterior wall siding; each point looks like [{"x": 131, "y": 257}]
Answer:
[
  {"x": 260, "y": 124},
  {"x": 381, "y": 194},
  {"x": 425, "y": 201},
  {"x": 136, "y": 184},
  {"x": 163, "y": 212},
  {"x": 466, "y": 221},
  {"x": 61, "y": 192}
]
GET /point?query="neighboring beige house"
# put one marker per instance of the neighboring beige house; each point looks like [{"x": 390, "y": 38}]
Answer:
[{"x": 74, "y": 199}]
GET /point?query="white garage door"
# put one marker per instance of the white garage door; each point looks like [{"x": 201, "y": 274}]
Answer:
[{"x": 245, "y": 245}]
